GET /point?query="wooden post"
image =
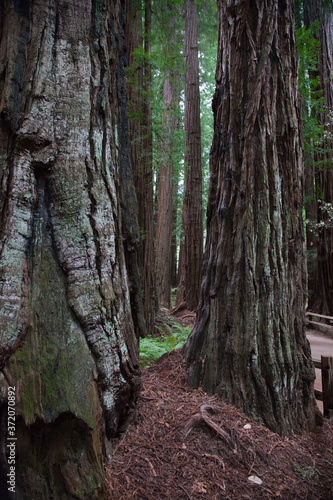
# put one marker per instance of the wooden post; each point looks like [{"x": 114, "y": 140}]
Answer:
[{"x": 327, "y": 381}]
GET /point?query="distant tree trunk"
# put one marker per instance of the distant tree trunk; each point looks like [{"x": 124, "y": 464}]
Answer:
[
  {"x": 67, "y": 341},
  {"x": 321, "y": 300},
  {"x": 174, "y": 273},
  {"x": 147, "y": 212},
  {"x": 139, "y": 100},
  {"x": 190, "y": 272},
  {"x": 165, "y": 198},
  {"x": 248, "y": 344}
]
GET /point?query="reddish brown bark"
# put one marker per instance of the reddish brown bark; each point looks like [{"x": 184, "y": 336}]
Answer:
[
  {"x": 192, "y": 251},
  {"x": 248, "y": 343},
  {"x": 165, "y": 199},
  {"x": 139, "y": 102},
  {"x": 321, "y": 294}
]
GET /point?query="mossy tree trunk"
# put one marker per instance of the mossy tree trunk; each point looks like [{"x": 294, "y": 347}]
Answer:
[
  {"x": 248, "y": 343},
  {"x": 67, "y": 337}
]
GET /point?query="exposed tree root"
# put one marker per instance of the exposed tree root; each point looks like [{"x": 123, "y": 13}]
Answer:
[{"x": 203, "y": 417}]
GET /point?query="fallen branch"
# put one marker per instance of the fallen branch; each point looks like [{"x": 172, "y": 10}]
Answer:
[{"x": 191, "y": 315}]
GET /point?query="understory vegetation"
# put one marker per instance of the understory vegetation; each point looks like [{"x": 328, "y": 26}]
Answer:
[{"x": 172, "y": 335}]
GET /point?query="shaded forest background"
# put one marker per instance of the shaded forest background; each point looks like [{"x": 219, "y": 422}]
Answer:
[{"x": 164, "y": 170}]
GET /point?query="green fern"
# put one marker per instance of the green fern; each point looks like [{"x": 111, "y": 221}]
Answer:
[{"x": 153, "y": 348}]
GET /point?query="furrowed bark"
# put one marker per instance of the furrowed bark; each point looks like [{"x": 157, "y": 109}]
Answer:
[
  {"x": 67, "y": 335},
  {"x": 248, "y": 343},
  {"x": 192, "y": 238},
  {"x": 321, "y": 287},
  {"x": 139, "y": 100}
]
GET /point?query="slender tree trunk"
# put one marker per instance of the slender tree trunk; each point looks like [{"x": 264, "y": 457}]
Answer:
[
  {"x": 147, "y": 212},
  {"x": 128, "y": 199},
  {"x": 321, "y": 300},
  {"x": 190, "y": 272},
  {"x": 67, "y": 340},
  {"x": 139, "y": 99},
  {"x": 174, "y": 274},
  {"x": 248, "y": 343},
  {"x": 165, "y": 205}
]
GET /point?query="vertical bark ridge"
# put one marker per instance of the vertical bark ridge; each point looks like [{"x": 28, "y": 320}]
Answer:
[
  {"x": 248, "y": 343},
  {"x": 321, "y": 298},
  {"x": 67, "y": 333},
  {"x": 192, "y": 252}
]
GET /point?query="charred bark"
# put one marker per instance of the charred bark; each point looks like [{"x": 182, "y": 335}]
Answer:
[
  {"x": 248, "y": 342},
  {"x": 67, "y": 334}
]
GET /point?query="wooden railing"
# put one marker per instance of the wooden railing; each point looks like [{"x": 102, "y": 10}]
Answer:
[
  {"x": 326, "y": 367},
  {"x": 317, "y": 323},
  {"x": 326, "y": 395}
]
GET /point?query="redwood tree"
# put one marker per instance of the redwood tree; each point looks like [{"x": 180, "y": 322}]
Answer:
[
  {"x": 192, "y": 236},
  {"x": 165, "y": 198},
  {"x": 248, "y": 343},
  {"x": 164, "y": 224},
  {"x": 321, "y": 297},
  {"x": 67, "y": 339},
  {"x": 139, "y": 105}
]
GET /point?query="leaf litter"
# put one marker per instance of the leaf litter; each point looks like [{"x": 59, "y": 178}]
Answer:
[{"x": 188, "y": 445}]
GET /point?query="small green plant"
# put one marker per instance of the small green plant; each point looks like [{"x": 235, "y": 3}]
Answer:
[
  {"x": 153, "y": 348},
  {"x": 307, "y": 472}
]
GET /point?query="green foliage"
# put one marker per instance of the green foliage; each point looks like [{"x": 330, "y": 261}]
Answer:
[
  {"x": 306, "y": 472},
  {"x": 208, "y": 35},
  {"x": 312, "y": 97},
  {"x": 153, "y": 348},
  {"x": 167, "y": 54}
]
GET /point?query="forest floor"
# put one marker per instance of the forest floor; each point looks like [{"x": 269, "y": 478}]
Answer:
[{"x": 187, "y": 445}]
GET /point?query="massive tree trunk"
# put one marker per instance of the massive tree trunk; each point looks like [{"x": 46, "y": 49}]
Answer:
[
  {"x": 248, "y": 343},
  {"x": 192, "y": 253},
  {"x": 321, "y": 300},
  {"x": 67, "y": 336}
]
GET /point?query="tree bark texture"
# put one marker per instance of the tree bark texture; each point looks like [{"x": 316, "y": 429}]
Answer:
[
  {"x": 321, "y": 300},
  {"x": 146, "y": 213},
  {"x": 190, "y": 272},
  {"x": 165, "y": 198},
  {"x": 248, "y": 343},
  {"x": 67, "y": 336},
  {"x": 129, "y": 204},
  {"x": 141, "y": 153}
]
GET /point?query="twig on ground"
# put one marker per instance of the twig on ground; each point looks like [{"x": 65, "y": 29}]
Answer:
[{"x": 180, "y": 486}]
